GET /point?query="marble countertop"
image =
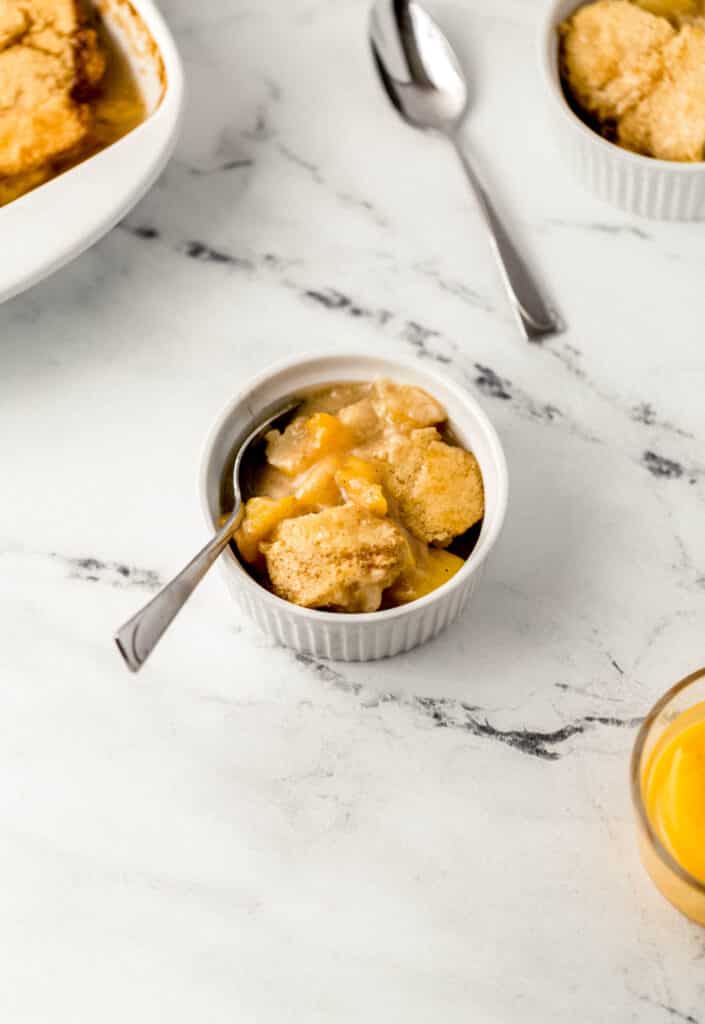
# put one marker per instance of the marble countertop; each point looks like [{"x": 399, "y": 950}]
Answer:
[{"x": 241, "y": 835}]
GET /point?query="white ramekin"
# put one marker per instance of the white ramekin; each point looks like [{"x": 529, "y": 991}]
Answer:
[
  {"x": 362, "y": 637},
  {"x": 662, "y": 189}
]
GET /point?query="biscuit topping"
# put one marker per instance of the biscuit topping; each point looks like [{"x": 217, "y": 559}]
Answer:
[
  {"x": 46, "y": 55},
  {"x": 356, "y": 499},
  {"x": 56, "y": 102},
  {"x": 637, "y": 71}
]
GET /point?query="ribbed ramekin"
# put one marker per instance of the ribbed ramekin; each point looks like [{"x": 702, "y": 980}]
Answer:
[
  {"x": 660, "y": 189},
  {"x": 357, "y": 637}
]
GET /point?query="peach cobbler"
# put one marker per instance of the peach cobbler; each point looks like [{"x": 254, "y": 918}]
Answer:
[
  {"x": 635, "y": 70},
  {"x": 65, "y": 91},
  {"x": 358, "y": 500}
]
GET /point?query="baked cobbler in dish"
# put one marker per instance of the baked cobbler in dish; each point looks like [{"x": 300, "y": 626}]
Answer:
[
  {"x": 65, "y": 91},
  {"x": 635, "y": 71},
  {"x": 359, "y": 498}
]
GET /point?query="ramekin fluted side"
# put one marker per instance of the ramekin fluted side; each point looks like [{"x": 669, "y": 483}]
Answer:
[
  {"x": 639, "y": 186},
  {"x": 337, "y": 638}
]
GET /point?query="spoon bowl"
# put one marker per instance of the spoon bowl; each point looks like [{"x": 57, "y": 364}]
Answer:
[
  {"x": 417, "y": 66},
  {"x": 246, "y": 457}
]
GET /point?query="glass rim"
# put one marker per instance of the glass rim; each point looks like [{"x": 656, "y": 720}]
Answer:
[{"x": 663, "y": 854}]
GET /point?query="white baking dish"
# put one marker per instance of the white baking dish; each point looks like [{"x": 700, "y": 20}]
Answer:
[
  {"x": 356, "y": 637},
  {"x": 51, "y": 225}
]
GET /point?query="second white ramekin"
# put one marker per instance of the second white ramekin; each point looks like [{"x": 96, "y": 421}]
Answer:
[
  {"x": 660, "y": 189},
  {"x": 357, "y": 637}
]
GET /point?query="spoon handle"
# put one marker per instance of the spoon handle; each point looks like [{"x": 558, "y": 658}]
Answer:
[
  {"x": 536, "y": 317},
  {"x": 140, "y": 635}
]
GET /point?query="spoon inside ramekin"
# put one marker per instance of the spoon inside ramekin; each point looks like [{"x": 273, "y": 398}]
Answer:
[{"x": 138, "y": 637}]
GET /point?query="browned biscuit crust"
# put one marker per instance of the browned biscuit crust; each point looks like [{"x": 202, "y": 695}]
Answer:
[
  {"x": 340, "y": 558},
  {"x": 50, "y": 65}
]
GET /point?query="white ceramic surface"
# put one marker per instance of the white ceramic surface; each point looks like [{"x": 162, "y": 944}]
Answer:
[
  {"x": 244, "y": 834},
  {"x": 659, "y": 189},
  {"x": 52, "y": 224},
  {"x": 379, "y": 634}
]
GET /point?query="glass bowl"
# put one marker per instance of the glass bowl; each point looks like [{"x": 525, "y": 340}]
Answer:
[{"x": 680, "y": 888}]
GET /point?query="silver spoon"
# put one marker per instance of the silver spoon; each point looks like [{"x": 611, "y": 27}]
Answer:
[
  {"x": 140, "y": 635},
  {"x": 425, "y": 82}
]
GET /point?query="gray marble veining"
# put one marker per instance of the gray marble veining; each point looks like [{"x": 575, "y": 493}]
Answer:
[{"x": 241, "y": 834}]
